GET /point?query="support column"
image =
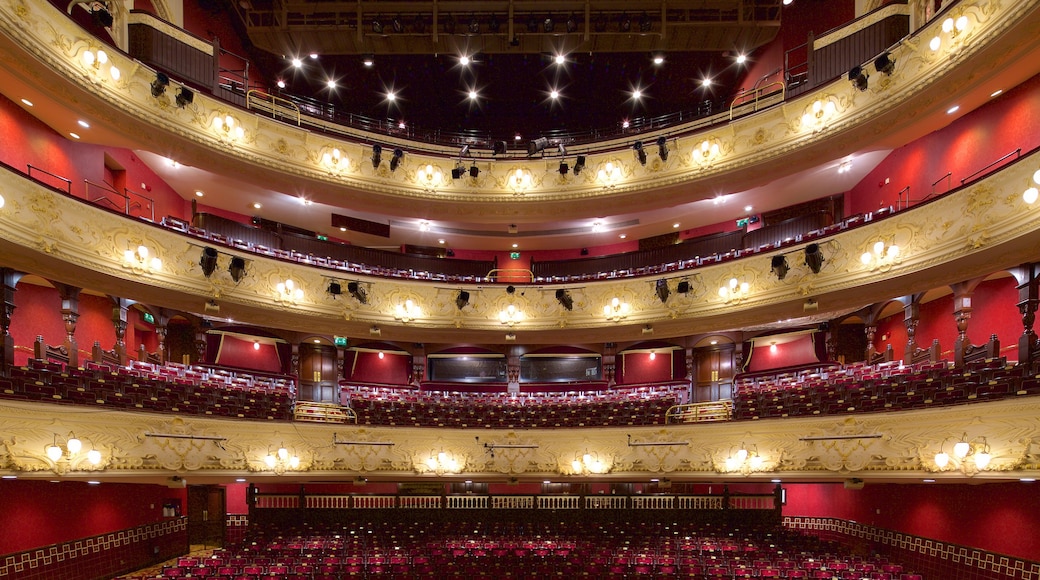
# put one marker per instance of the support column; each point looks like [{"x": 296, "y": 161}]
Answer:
[
  {"x": 513, "y": 370},
  {"x": 1027, "y": 306},
  {"x": 870, "y": 330},
  {"x": 119, "y": 316},
  {"x": 200, "y": 345},
  {"x": 911, "y": 318},
  {"x": 8, "y": 281},
  {"x": 609, "y": 362},
  {"x": 70, "y": 314},
  {"x": 162, "y": 320}
]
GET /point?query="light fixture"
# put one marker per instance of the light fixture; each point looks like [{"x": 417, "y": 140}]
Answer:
[
  {"x": 377, "y": 156},
  {"x": 579, "y": 164},
  {"x": 819, "y": 112},
  {"x": 683, "y": 287},
  {"x": 778, "y": 265},
  {"x": 431, "y": 175},
  {"x": 462, "y": 299},
  {"x": 645, "y": 23},
  {"x": 640, "y": 154},
  {"x": 499, "y": 148},
  {"x": 1030, "y": 195},
  {"x": 564, "y": 298},
  {"x": 281, "y": 460},
  {"x": 520, "y": 180},
  {"x": 772, "y": 347},
  {"x": 662, "y": 148},
  {"x": 334, "y": 288},
  {"x": 885, "y": 64},
  {"x": 590, "y": 463},
  {"x": 287, "y": 291},
  {"x": 64, "y": 453},
  {"x": 609, "y": 174},
  {"x": 184, "y": 97},
  {"x": 953, "y": 109},
  {"x": 227, "y": 127},
  {"x": 741, "y": 58},
  {"x": 440, "y": 463},
  {"x": 159, "y": 85},
  {"x": 208, "y": 261},
  {"x": 510, "y": 315},
  {"x": 881, "y": 255},
  {"x": 625, "y": 23},
  {"x": 256, "y": 345},
  {"x": 814, "y": 258},
  {"x": 474, "y": 171},
  {"x": 94, "y": 60},
  {"x": 708, "y": 150},
  {"x": 334, "y": 160},
  {"x": 368, "y": 60},
  {"x": 617, "y": 310},
  {"x": 237, "y": 268},
  {"x": 661, "y": 287},
  {"x": 734, "y": 290},
  {"x": 564, "y": 168},
  {"x": 858, "y": 77},
  {"x": 976, "y": 449},
  {"x": 358, "y": 292},
  {"x": 537, "y": 146},
  {"x": 744, "y": 460},
  {"x": 407, "y": 311},
  {"x": 140, "y": 258},
  {"x": 27, "y": 103}
]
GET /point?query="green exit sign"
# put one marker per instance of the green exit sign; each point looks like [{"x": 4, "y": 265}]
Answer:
[
  {"x": 323, "y": 237},
  {"x": 340, "y": 341},
  {"x": 149, "y": 318},
  {"x": 514, "y": 255}
]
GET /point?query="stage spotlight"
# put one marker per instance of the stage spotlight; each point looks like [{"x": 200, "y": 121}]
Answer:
[
  {"x": 237, "y": 269},
  {"x": 564, "y": 168},
  {"x": 397, "y": 25},
  {"x": 396, "y": 159},
  {"x": 884, "y": 64},
  {"x": 814, "y": 258},
  {"x": 561, "y": 149},
  {"x": 662, "y": 147},
  {"x": 377, "y": 26},
  {"x": 159, "y": 84},
  {"x": 564, "y": 298},
  {"x": 638, "y": 147},
  {"x": 779, "y": 266},
  {"x": 474, "y": 171},
  {"x": 499, "y": 148},
  {"x": 625, "y": 24},
  {"x": 377, "y": 156},
  {"x": 858, "y": 77},
  {"x": 462, "y": 300},
  {"x": 184, "y": 97},
  {"x": 208, "y": 261},
  {"x": 662, "y": 290},
  {"x": 537, "y": 146},
  {"x": 334, "y": 288},
  {"x": 579, "y": 164},
  {"x": 548, "y": 24},
  {"x": 358, "y": 292},
  {"x": 457, "y": 172},
  {"x": 572, "y": 24},
  {"x": 645, "y": 24},
  {"x": 683, "y": 287}
]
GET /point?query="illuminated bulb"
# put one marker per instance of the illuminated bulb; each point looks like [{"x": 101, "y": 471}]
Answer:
[
  {"x": 1036, "y": 177},
  {"x": 879, "y": 248},
  {"x": 270, "y": 461},
  {"x": 54, "y": 452},
  {"x": 1030, "y": 195},
  {"x": 89, "y": 58},
  {"x": 772, "y": 348},
  {"x": 866, "y": 258},
  {"x": 742, "y": 454},
  {"x": 744, "y": 286},
  {"x": 74, "y": 445},
  {"x": 129, "y": 255},
  {"x": 156, "y": 263},
  {"x": 653, "y": 355},
  {"x": 576, "y": 465},
  {"x": 431, "y": 463},
  {"x": 294, "y": 462},
  {"x": 942, "y": 459},
  {"x": 756, "y": 462},
  {"x": 732, "y": 464},
  {"x": 94, "y": 456},
  {"x": 283, "y": 453},
  {"x": 982, "y": 459},
  {"x": 463, "y": 60},
  {"x": 947, "y": 25},
  {"x": 442, "y": 457},
  {"x": 935, "y": 43},
  {"x": 817, "y": 106},
  {"x": 256, "y": 345},
  {"x": 723, "y": 292},
  {"x": 961, "y": 24},
  {"x": 961, "y": 449},
  {"x": 893, "y": 251},
  {"x": 381, "y": 355}
]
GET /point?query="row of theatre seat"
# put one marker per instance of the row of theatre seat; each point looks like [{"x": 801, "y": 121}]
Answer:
[
  {"x": 640, "y": 406},
  {"x": 128, "y": 388},
  {"x": 458, "y": 549},
  {"x": 887, "y": 387}
]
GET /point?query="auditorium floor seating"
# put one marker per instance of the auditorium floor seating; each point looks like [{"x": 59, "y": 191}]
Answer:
[{"x": 521, "y": 549}]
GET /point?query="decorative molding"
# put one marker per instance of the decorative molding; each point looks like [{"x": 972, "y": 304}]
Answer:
[{"x": 907, "y": 442}]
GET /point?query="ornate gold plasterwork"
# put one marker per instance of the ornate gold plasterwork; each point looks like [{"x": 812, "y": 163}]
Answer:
[
  {"x": 768, "y": 135},
  {"x": 889, "y": 445}
]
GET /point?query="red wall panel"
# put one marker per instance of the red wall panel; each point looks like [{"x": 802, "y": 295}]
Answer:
[
  {"x": 367, "y": 367},
  {"x": 240, "y": 353},
  {"x": 990, "y": 516},
  {"x": 37, "y": 513},
  {"x": 637, "y": 367},
  {"x": 800, "y": 351}
]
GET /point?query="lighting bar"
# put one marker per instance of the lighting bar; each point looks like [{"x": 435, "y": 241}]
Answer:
[
  {"x": 839, "y": 437},
  {"x": 655, "y": 443},
  {"x": 182, "y": 436}
]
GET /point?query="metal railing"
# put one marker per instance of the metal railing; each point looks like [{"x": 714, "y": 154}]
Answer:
[
  {"x": 101, "y": 194},
  {"x": 754, "y": 96},
  {"x": 67, "y": 182},
  {"x": 1016, "y": 154},
  {"x": 277, "y": 107},
  {"x": 700, "y": 412}
]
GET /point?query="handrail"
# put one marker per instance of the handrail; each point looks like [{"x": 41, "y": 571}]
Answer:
[
  {"x": 700, "y": 412},
  {"x": 151, "y": 202},
  {"x": 489, "y": 276},
  {"x": 758, "y": 94},
  {"x": 68, "y": 182},
  {"x": 276, "y": 103},
  {"x": 947, "y": 177},
  {"x": 87, "y": 184},
  {"x": 1016, "y": 154},
  {"x": 899, "y": 198}
]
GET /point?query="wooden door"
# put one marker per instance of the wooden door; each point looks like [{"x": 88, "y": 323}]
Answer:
[{"x": 206, "y": 515}]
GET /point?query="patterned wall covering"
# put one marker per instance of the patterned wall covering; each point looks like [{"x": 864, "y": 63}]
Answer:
[
  {"x": 100, "y": 556},
  {"x": 930, "y": 558}
]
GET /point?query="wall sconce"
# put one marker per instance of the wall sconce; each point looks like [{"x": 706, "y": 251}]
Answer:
[
  {"x": 1030, "y": 195},
  {"x": 282, "y": 460},
  {"x": 590, "y": 463},
  {"x": 408, "y": 311},
  {"x": 510, "y": 316},
  {"x": 68, "y": 450},
  {"x": 707, "y": 152},
  {"x": 616, "y": 310},
  {"x": 334, "y": 161},
  {"x": 818, "y": 114},
  {"x": 441, "y": 463},
  {"x": 951, "y": 27},
  {"x": 430, "y": 177},
  {"x": 882, "y": 255},
  {"x": 288, "y": 292},
  {"x": 609, "y": 174},
  {"x": 734, "y": 290},
  {"x": 744, "y": 460},
  {"x": 95, "y": 60},
  {"x": 977, "y": 449},
  {"x": 520, "y": 180},
  {"x": 138, "y": 259},
  {"x": 228, "y": 128}
]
